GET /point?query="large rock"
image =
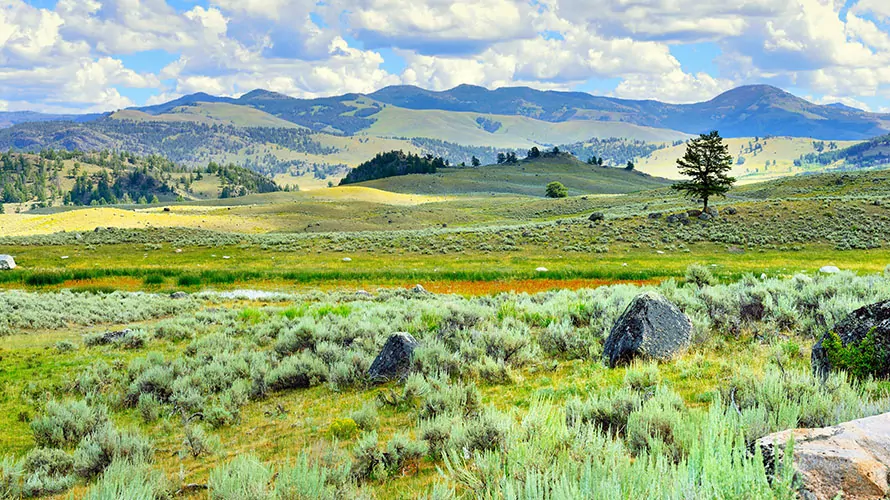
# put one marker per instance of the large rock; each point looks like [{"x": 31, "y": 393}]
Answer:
[
  {"x": 596, "y": 217},
  {"x": 6, "y": 263},
  {"x": 853, "y": 329},
  {"x": 650, "y": 327},
  {"x": 853, "y": 458},
  {"x": 394, "y": 359}
]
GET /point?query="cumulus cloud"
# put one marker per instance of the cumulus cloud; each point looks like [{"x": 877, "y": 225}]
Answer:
[{"x": 73, "y": 53}]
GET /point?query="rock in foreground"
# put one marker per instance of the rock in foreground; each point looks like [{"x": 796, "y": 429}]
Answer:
[
  {"x": 651, "y": 327},
  {"x": 394, "y": 359},
  {"x": 870, "y": 324},
  {"x": 6, "y": 263},
  {"x": 853, "y": 458}
]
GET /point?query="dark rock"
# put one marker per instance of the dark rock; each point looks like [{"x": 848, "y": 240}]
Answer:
[
  {"x": 78, "y": 236},
  {"x": 655, "y": 215},
  {"x": 712, "y": 211},
  {"x": 694, "y": 212},
  {"x": 7, "y": 263},
  {"x": 98, "y": 229},
  {"x": 112, "y": 337},
  {"x": 730, "y": 211},
  {"x": 394, "y": 360},
  {"x": 853, "y": 329},
  {"x": 166, "y": 209},
  {"x": 705, "y": 217},
  {"x": 650, "y": 327},
  {"x": 597, "y": 216},
  {"x": 178, "y": 295}
]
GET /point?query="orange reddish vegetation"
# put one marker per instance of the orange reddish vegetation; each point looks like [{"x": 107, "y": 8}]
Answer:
[{"x": 519, "y": 286}]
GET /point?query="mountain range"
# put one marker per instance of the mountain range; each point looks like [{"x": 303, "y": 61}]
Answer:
[{"x": 749, "y": 111}]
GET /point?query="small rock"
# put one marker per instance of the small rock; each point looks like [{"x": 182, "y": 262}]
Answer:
[
  {"x": 112, "y": 337},
  {"x": 763, "y": 276},
  {"x": 226, "y": 257},
  {"x": 660, "y": 252},
  {"x": 705, "y": 217},
  {"x": 394, "y": 360},
  {"x": 178, "y": 250},
  {"x": 655, "y": 215},
  {"x": 98, "y": 229},
  {"x": 730, "y": 211},
  {"x": 63, "y": 257},
  {"x": 78, "y": 236},
  {"x": 7, "y": 263},
  {"x": 178, "y": 295},
  {"x": 694, "y": 212},
  {"x": 829, "y": 270},
  {"x": 347, "y": 259},
  {"x": 712, "y": 211},
  {"x": 651, "y": 327},
  {"x": 541, "y": 269},
  {"x": 624, "y": 264},
  {"x": 596, "y": 217},
  {"x": 418, "y": 288},
  {"x": 166, "y": 209},
  {"x": 362, "y": 293}
]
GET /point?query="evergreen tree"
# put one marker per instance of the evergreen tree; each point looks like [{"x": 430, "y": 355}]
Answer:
[
  {"x": 706, "y": 162},
  {"x": 475, "y": 161}
]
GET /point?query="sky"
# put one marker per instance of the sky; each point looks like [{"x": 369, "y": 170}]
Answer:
[{"x": 101, "y": 55}]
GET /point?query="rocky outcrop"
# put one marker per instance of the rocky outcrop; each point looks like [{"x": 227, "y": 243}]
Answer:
[
  {"x": 872, "y": 321},
  {"x": 651, "y": 327},
  {"x": 596, "y": 217},
  {"x": 394, "y": 360},
  {"x": 851, "y": 459},
  {"x": 179, "y": 295},
  {"x": 7, "y": 263}
]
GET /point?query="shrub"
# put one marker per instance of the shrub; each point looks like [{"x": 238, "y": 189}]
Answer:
[
  {"x": 862, "y": 359},
  {"x": 487, "y": 432},
  {"x": 64, "y": 424},
  {"x": 305, "y": 480},
  {"x": 608, "y": 412},
  {"x": 98, "y": 450},
  {"x": 244, "y": 478},
  {"x": 188, "y": 280},
  {"x": 642, "y": 378},
  {"x": 41, "y": 485},
  {"x": 557, "y": 190},
  {"x": 297, "y": 372},
  {"x": 11, "y": 474},
  {"x": 654, "y": 427},
  {"x": 153, "y": 279},
  {"x": 343, "y": 428},
  {"x": 149, "y": 407},
  {"x": 700, "y": 275},
  {"x": 123, "y": 479},
  {"x": 64, "y": 346},
  {"x": 49, "y": 461},
  {"x": 366, "y": 417}
]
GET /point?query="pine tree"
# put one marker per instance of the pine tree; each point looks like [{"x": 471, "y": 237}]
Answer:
[{"x": 706, "y": 162}]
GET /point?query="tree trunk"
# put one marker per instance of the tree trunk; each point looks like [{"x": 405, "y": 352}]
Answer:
[{"x": 706, "y": 205}]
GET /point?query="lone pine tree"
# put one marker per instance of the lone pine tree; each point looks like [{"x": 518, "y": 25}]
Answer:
[{"x": 706, "y": 162}]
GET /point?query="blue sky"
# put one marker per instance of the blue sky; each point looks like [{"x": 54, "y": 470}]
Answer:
[{"x": 98, "y": 55}]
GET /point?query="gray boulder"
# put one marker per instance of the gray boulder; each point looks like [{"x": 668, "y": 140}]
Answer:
[
  {"x": 849, "y": 460},
  {"x": 873, "y": 319},
  {"x": 596, "y": 217},
  {"x": 694, "y": 212},
  {"x": 705, "y": 217},
  {"x": 7, "y": 263},
  {"x": 655, "y": 215},
  {"x": 730, "y": 211},
  {"x": 829, "y": 270},
  {"x": 419, "y": 289},
  {"x": 651, "y": 327},
  {"x": 394, "y": 360},
  {"x": 178, "y": 295},
  {"x": 712, "y": 211}
]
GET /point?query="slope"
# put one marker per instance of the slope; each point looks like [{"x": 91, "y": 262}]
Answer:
[
  {"x": 528, "y": 177},
  {"x": 209, "y": 113}
]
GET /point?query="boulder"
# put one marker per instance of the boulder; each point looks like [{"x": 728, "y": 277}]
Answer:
[
  {"x": 829, "y": 270},
  {"x": 752, "y": 309},
  {"x": 597, "y": 216},
  {"x": 694, "y": 212},
  {"x": 712, "y": 211},
  {"x": 394, "y": 360},
  {"x": 873, "y": 319},
  {"x": 651, "y": 327},
  {"x": 347, "y": 259},
  {"x": 112, "y": 337},
  {"x": 705, "y": 217},
  {"x": 655, "y": 215},
  {"x": 541, "y": 269},
  {"x": 419, "y": 289},
  {"x": 7, "y": 263},
  {"x": 362, "y": 293},
  {"x": 179, "y": 295},
  {"x": 850, "y": 460},
  {"x": 730, "y": 211}
]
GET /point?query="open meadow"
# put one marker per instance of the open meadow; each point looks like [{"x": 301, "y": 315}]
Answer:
[{"x": 252, "y": 379}]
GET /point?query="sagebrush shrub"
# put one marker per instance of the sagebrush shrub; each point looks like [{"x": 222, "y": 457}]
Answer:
[{"x": 244, "y": 478}]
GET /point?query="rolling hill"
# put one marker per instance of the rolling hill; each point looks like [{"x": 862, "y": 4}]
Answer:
[{"x": 527, "y": 177}]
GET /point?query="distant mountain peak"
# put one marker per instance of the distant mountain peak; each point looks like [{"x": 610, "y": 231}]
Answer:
[{"x": 263, "y": 94}]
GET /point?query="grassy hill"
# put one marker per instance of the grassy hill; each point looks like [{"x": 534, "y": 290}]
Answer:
[
  {"x": 528, "y": 177},
  {"x": 502, "y": 130},
  {"x": 780, "y": 152},
  {"x": 209, "y": 113}
]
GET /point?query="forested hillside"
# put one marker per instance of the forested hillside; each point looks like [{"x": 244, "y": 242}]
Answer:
[
  {"x": 54, "y": 177},
  {"x": 392, "y": 164}
]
